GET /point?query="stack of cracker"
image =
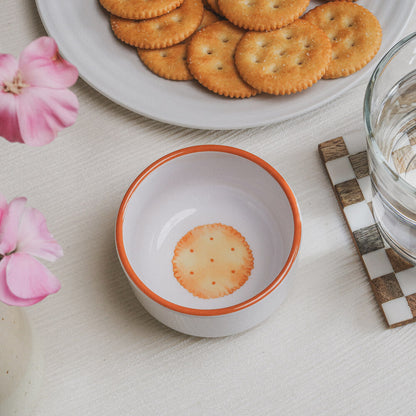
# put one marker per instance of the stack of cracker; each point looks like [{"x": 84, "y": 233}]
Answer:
[{"x": 244, "y": 47}]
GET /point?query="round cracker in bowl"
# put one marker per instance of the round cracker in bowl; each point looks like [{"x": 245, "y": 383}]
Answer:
[{"x": 178, "y": 204}]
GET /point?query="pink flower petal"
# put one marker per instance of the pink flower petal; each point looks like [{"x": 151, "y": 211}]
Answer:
[
  {"x": 42, "y": 112},
  {"x": 9, "y": 123},
  {"x": 6, "y": 296},
  {"x": 3, "y": 206},
  {"x": 10, "y": 225},
  {"x": 9, "y": 126},
  {"x": 8, "y": 68},
  {"x": 34, "y": 238},
  {"x": 42, "y": 66},
  {"x": 26, "y": 278}
]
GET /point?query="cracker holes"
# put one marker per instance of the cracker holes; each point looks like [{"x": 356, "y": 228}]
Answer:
[
  {"x": 282, "y": 53},
  {"x": 262, "y": 43},
  {"x": 276, "y": 6},
  {"x": 288, "y": 36},
  {"x": 274, "y": 69},
  {"x": 163, "y": 54},
  {"x": 225, "y": 40},
  {"x": 177, "y": 19},
  {"x": 220, "y": 67}
]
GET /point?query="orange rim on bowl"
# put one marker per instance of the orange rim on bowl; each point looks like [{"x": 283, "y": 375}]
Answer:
[{"x": 220, "y": 311}]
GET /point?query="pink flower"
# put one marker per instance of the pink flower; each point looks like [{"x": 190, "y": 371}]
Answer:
[
  {"x": 23, "y": 234},
  {"x": 34, "y": 100}
]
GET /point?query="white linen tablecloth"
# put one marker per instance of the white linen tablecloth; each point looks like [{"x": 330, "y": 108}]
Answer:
[{"x": 326, "y": 351}]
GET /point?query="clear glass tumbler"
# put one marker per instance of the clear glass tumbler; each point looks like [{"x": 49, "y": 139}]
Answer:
[{"x": 390, "y": 122}]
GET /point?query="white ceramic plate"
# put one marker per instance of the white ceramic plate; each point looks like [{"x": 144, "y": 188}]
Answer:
[{"x": 82, "y": 31}]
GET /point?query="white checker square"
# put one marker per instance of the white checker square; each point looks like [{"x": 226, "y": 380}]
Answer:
[
  {"x": 401, "y": 158},
  {"x": 407, "y": 281},
  {"x": 378, "y": 263},
  {"x": 405, "y": 141},
  {"x": 397, "y": 310},
  {"x": 386, "y": 244},
  {"x": 410, "y": 176},
  {"x": 359, "y": 216},
  {"x": 355, "y": 141},
  {"x": 340, "y": 170},
  {"x": 365, "y": 186}
]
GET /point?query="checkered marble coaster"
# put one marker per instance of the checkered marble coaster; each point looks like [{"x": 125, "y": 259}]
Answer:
[{"x": 392, "y": 278}]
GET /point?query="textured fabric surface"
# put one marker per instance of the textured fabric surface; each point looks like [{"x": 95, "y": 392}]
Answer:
[{"x": 326, "y": 351}]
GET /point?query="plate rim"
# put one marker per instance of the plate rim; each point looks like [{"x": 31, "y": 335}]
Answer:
[{"x": 229, "y": 125}]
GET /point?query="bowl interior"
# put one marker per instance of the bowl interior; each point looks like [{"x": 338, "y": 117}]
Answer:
[{"x": 204, "y": 188}]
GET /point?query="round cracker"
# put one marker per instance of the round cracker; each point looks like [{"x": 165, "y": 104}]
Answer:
[
  {"x": 212, "y": 261},
  {"x": 162, "y": 31},
  {"x": 354, "y": 32},
  {"x": 208, "y": 19},
  {"x": 140, "y": 9},
  {"x": 283, "y": 61},
  {"x": 262, "y": 15},
  {"x": 170, "y": 63},
  {"x": 210, "y": 60},
  {"x": 213, "y": 4}
]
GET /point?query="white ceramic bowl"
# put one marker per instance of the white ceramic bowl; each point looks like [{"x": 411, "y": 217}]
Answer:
[{"x": 204, "y": 185}]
